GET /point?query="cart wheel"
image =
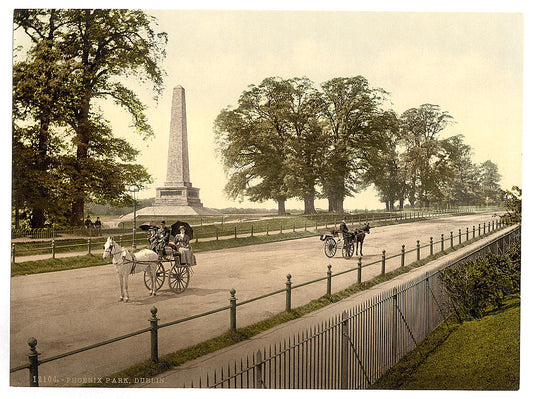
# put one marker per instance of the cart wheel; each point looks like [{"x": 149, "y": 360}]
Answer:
[
  {"x": 159, "y": 278},
  {"x": 347, "y": 252},
  {"x": 330, "y": 247},
  {"x": 178, "y": 278}
]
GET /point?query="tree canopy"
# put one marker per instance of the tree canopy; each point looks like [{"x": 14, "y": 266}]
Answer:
[
  {"x": 79, "y": 58},
  {"x": 286, "y": 139}
]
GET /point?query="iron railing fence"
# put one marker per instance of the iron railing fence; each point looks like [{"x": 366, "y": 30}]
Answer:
[
  {"x": 34, "y": 360},
  {"x": 352, "y": 350}
]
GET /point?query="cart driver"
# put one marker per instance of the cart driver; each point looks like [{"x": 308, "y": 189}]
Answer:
[
  {"x": 162, "y": 238},
  {"x": 345, "y": 232}
]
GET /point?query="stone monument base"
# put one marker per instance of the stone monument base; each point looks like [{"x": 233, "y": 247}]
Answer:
[{"x": 176, "y": 210}]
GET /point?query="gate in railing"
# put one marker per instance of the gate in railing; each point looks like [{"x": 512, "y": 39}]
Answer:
[{"x": 352, "y": 350}]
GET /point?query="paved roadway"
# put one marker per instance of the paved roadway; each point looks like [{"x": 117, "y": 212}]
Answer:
[{"x": 76, "y": 308}]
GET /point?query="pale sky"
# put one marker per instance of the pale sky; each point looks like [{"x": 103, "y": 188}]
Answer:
[{"x": 468, "y": 64}]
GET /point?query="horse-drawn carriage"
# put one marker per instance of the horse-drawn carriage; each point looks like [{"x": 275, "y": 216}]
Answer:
[
  {"x": 334, "y": 239},
  {"x": 169, "y": 263}
]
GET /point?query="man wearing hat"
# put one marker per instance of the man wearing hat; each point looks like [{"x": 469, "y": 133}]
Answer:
[
  {"x": 162, "y": 238},
  {"x": 345, "y": 233}
]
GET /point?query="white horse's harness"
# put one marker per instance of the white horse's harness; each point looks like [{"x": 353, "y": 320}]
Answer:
[{"x": 124, "y": 260}]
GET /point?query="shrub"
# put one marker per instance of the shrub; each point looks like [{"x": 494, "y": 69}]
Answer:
[{"x": 476, "y": 285}]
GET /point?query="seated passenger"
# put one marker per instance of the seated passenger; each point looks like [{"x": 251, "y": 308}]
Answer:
[{"x": 184, "y": 248}]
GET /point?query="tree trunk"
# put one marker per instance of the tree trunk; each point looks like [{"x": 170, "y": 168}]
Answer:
[
  {"x": 335, "y": 205},
  {"x": 331, "y": 205},
  {"x": 400, "y": 207},
  {"x": 38, "y": 218},
  {"x": 281, "y": 207},
  {"x": 83, "y": 136},
  {"x": 76, "y": 218},
  {"x": 309, "y": 204},
  {"x": 340, "y": 206}
]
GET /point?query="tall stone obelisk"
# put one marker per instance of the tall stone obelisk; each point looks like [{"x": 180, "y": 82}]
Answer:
[
  {"x": 178, "y": 148},
  {"x": 178, "y": 196},
  {"x": 178, "y": 189}
]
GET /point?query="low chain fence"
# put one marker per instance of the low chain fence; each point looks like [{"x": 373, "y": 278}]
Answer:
[{"x": 479, "y": 231}]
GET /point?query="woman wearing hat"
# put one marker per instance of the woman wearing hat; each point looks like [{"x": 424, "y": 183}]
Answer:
[{"x": 184, "y": 248}]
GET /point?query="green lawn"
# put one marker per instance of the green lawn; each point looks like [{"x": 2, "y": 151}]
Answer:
[{"x": 476, "y": 355}]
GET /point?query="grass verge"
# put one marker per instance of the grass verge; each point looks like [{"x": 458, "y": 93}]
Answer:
[{"x": 479, "y": 354}]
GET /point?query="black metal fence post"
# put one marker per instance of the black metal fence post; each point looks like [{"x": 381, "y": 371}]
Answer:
[
  {"x": 417, "y": 249},
  {"x": 89, "y": 245},
  {"x": 467, "y": 235},
  {"x": 431, "y": 245},
  {"x": 460, "y": 237},
  {"x": 233, "y": 310},
  {"x": 359, "y": 269},
  {"x": 33, "y": 356},
  {"x": 288, "y": 290},
  {"x": 383, "y": 258},
  {"x": 451, "y": 239},
  {"x": 13, "y": 252},
  {"x": 442, "y": 242},
  {"x": 154, "y": 341},
  {"x": 328, "y": 284},
  {"x": 402, "y": 258},
  {"x": 473, "y": 231}
]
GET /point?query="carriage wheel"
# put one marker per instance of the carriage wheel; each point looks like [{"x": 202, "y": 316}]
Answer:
[
  {"x": 330, "y": 247},
  {"x": 178, "y": 278},
  {"x": 347, "y": 252},
  {"x": 159, "y": 278}
]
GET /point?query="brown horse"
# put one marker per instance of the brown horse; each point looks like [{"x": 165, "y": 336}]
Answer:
[{"x": 360, "y": 237}]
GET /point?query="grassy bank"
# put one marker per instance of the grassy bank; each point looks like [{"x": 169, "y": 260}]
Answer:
[{"x": 479, "y": 354}]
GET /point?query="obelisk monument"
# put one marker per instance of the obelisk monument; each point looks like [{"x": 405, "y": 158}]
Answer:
[
  {"x": 178, "y": 196},
  {"x": 178, "y": 189}
]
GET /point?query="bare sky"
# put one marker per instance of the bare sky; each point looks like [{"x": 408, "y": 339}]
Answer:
[{"x": 470, "y": 64}]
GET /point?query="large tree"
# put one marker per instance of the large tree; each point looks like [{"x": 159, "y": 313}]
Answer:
[
  {"x": 40, "y": 88},
  {"x": 381, "y": 160},
  {"x": 270, "y": 144},
  {"x": 347, "y": 105},
  {"x": 420, "y": 128},
  {"x": 94, "y": 50},
  {"x": 489, "y": 182}
]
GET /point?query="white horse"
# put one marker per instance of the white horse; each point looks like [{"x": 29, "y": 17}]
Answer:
[{"x": 127, "y": 263}]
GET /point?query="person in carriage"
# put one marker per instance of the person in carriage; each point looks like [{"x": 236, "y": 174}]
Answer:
[
  {"x": 159, "y": 239},
  {"x": 182, "y": 241},
  {"x": 346, "y": 235}
]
